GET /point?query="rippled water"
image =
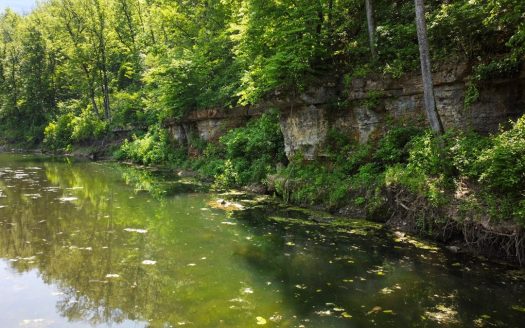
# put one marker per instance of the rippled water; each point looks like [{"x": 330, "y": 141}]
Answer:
[{"x": 97, "y": 244}]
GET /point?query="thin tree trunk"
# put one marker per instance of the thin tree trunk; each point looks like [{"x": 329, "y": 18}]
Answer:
[
  {"x": 371, "y": 27},
  {"x": 91, "y": 83},
  {"x": 426, "y": 74},
  {"x": 102, "y": 50}
]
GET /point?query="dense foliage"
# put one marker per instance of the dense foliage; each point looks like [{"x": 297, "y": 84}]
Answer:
[
  {"x": 74, "y": 71},
  {"x": 133, "y": 63},
  {"x": 436, "y": 167},
  {"x": 242, "y": 156}
]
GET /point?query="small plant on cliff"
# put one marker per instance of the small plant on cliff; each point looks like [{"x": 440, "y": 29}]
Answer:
[
  {"x": 393, "y": 147},
  {"x": 373, "y": 99},
  {"x": 245, "y": 155},
  {"x": 503, "y": 164}
]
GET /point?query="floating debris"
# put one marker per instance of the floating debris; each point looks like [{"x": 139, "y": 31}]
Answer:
[
  {"x": 226, "y": 205},
  {"x": 51, "y": 189},
  {"x": 149, "y": 262},
  {"x": 346, "y": 315},
  {"x": 112, "y": 275},
  {"x": 261, "y": 321},
  {"x": 67, "y": 199},
  {"x": 401, "y": 237},
  {"x": 136, "y": 230},
  {"x": 375, "y": 309},
  {"x": 443, "y": 315},
  {"x": 33, "y": 196},
  {"x": 228, "y": 223},
  {"x": 518, "y": 308}
]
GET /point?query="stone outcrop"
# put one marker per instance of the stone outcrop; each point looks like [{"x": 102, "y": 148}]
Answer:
[
  {"x": 209, "y": 124},
  {"x": 369, "y": 107}
]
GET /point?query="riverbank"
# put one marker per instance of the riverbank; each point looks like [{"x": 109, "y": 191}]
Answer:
[{"x": 461, "y": 189}]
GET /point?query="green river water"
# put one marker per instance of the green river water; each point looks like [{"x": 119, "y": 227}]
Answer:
[{"x": 102, "y": 245}]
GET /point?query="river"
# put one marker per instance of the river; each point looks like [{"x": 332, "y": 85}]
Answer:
[{"x": 87, "y": 244}]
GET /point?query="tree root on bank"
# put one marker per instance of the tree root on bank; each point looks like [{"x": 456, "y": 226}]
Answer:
[
  {"x": 413, "y": 213},
  {"x": 509, "y": 245}
]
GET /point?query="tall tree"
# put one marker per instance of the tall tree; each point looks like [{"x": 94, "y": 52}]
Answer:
[
  {"x": 371, "y": 27},
  {"x": 426, "y": 73},
  {"x": 98, "y": 20}
]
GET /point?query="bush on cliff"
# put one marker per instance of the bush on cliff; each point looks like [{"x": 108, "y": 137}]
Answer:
[
  {"x": 242, "y": 156},
  {"x": 248, "y": 154},
  {"x": 422, "y": 163},
  {"x": 152, "y": 148}
]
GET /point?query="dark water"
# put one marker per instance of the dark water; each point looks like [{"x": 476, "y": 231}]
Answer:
[{"x": 98, "y": 245}]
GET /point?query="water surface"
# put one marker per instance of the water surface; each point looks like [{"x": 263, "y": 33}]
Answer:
[{"x": 98, "y": 244}]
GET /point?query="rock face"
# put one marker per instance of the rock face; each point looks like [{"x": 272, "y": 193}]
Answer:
[
  {"x": 371, "y": 105},
  {"x": 210, "y": 124}
]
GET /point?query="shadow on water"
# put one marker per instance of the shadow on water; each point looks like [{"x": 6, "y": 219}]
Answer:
[
  {"x": 336, "y": 270},
  {"x": 118, "y": 246}
]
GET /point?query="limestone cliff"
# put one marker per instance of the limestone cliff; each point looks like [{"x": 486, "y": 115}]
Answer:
[{"x": 364, "y": 109}]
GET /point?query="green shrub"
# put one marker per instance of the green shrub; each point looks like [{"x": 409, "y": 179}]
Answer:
[
  {"x": 503, "y": 165},
  {"x": 392, "y": 148},
  {"x": 57, "y": 134},
  {"x": 336, "y": 141},
  {"x": 152, "y": 148},
  {"x": 373, "y": 99},
  {"x": 464, "y": 151},
  {"x": 251, "y": 152},
  {"x": 127, "y": 110},
  {"x": 429, "y": 154},
  {"x": 87, "y": 127}
]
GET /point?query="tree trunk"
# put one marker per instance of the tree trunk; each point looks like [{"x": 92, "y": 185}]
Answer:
[
  {"x": 92, "y": 95},
  {"x": 426, "y": 74},
  {"x": 371, "y": 27}
]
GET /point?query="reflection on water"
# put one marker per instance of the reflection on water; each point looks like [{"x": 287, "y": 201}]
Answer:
[{"x": 90, "y": 244}]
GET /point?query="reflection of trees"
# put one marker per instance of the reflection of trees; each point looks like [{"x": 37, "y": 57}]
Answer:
[
  {"x": 76, "y": 244},
  {"x": 158, "y": 183}
]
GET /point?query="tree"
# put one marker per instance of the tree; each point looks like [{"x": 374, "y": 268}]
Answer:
[
  {"x": 371, "y": 27},
  {"x": 426, "y": 74}
]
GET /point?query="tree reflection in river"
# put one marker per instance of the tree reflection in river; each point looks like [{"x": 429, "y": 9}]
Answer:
[{"x": 123, "y": 245}]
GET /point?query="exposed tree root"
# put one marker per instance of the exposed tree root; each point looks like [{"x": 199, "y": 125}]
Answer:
[{"x": 413, "y": 213}]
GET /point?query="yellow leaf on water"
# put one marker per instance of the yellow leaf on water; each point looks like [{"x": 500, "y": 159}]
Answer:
[
  {"x": 346, "y": 315},
  {"x": 518, "y": 308},
  {"x": 261, "y": 321}
]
